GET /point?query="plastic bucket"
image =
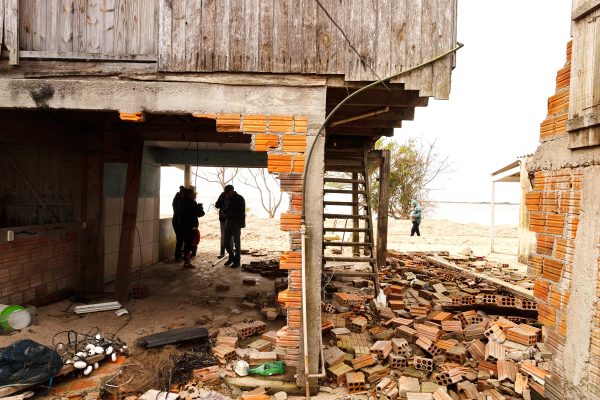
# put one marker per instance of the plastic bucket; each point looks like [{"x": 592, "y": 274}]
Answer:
[{"x": 14, "y": 317}]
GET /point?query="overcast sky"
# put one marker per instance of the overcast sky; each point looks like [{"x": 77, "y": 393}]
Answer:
[{"x": 503, "y": 78}]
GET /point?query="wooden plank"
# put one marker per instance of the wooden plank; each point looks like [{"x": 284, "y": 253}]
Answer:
[
  {"x": 250, "y": 48},
  {"x": 222, "y": 21},
  {"x": 25, "y": 23},
  {"x": 326, "y": 35},
  {"x": 130, "y": 205},
  {"x": 193, "y": 33},
  {"x": 280, "y": 36},
  {"x": 52, "y": 26},
  {"x": 51, "y": 55},
  {"x": 383, "y": 48},
  {"x": 353, "y": 30},
  {"x": 164, "y": 35},
  {"x": 584, "y": 9},
  {"x": 178, "y": 36},
  {"x": 236, "y": 34},
  {"x": 11, "y": 30},
  {"x": 309, "y": 36},
  {"x": 79, "y": 25},
  {"x": 265, "y": 40},
  {"x": 107, "y": 27},
  {"x": 149, "y": 27},
  {"x": 134, "y": 27},
  {"x": 382, "y": 210},
  {"x": 413, "y": 48},
  {"x": 589, "y": 119},
  {"x": 39, "y": 25},
  {"x": 295, "y": 36},
  {"x": 207, "y": 50},
  {"x": 427, "y": 42},
  {"x": 398, "y": 38},
  {"x": 2, "y": 22},
  {"x": 368, "y": 40},
  {"x": 444, "y": 40},
  {"x": 93, "y": 26},
  {"x": 65, "y": 26}
]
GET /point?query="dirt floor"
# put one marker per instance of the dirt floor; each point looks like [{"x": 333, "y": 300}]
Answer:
[{"x": 183, "y": 298}]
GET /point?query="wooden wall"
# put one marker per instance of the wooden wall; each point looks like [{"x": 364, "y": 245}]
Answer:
[
  {"x": 584, "y": 107},
  {"x": 102, "y": 27},
  {"x": 297, "y": 36}
]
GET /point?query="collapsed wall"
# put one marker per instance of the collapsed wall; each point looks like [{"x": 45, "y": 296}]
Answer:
[{"x": 564, "y": 213}]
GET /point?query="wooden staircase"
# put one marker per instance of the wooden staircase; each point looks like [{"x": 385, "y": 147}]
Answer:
[{"x": 346, "y": 170}]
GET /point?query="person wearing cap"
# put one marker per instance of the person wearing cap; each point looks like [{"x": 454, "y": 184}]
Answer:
[
  {"x": 235, "y": 219},
  {"x": 175, "y": 222},
  {"x": 188, "y": 222}
]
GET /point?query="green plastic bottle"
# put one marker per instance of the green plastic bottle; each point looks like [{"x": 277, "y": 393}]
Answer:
[{"x": 268, "y": 369}]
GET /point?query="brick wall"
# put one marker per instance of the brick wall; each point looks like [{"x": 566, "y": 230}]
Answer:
[
  {"x": 40, "y": 268},
  {"x": 554, "y": 208},
  {"x": 284, "y": 138}
]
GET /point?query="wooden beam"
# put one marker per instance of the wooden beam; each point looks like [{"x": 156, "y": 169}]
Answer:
[
  {"x": 80, "y": 56},
  {"x": 360, "y": 116},
  {"x": 11, "y": 30},
  {"x": 130, "y": 204},
  {"x": 351, "y": 131},
  {"x": 355, "y": 221},
  {"x": 584, "y": 9},
  {"x": 383, "y": 206},
  {"x": 92, "y": 270},
  {"x": 380, "y": 98},
  {"x": 590, "y": 119},
  {"x": 185, "y": 133}
]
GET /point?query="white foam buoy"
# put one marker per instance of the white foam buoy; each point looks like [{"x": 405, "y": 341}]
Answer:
[
  {"x": 109, "y": 350},
  {"x": 99, "y": 350},
  {"x": 96, "y": 365},
  {"x": 113, "y": 357},
  {"x": 80, "y": 364},
  {"x": 87, "y": 370}
]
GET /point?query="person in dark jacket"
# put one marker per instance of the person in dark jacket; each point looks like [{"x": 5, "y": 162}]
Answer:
[
  {"x": 179, "y": 241},
  {"x": 235, "y": 214},
  {"x": 415, "y": 217},
  {"x": 188, "y": 221},
  {"x": 220, "y": 205}
]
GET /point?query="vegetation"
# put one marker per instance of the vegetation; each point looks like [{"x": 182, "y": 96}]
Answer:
[{"x": 414, "y": 166}]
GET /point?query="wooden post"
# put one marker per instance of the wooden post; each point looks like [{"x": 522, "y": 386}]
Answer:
[
  {"x": 355, "y": 210},
  {"x": 382, "y": 209},
  {"x": 187, "y": 176},
  {"x": 130, "y": 204},
  {"x": 11, "y": 30},
  {"x": 92, "y": 268}
]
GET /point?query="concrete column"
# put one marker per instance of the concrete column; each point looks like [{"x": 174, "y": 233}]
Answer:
[
  {"x": 187, "y": 176},
  {"x": 313, "y": 192}
]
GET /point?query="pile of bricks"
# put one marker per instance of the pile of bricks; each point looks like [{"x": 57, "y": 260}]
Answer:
[{"x": 446, "y": 341}]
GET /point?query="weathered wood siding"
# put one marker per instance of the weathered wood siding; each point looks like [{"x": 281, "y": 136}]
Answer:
[
  {"x": 106, "y": 28},
  {"x": 297, "y": 36},
  {"x": 584, "y": 99}
]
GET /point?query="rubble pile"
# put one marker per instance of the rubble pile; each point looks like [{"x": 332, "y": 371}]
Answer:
[{"x": 438, "y": 334}]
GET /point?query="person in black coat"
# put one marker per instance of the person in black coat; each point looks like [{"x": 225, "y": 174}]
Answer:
[
  {"x": 175, "y": 222},
  {"x": 187, "y": 223},
  {"x": 220, "y": 205},
  {"x": 235, "y": 214}
]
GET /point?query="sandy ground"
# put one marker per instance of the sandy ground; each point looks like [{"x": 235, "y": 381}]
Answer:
[{"x": 181, "y": 298}]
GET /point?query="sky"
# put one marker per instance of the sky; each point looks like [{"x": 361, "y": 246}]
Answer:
[
  {"x": 503, "y": 78},
  {"x": 500, "y": 86}
]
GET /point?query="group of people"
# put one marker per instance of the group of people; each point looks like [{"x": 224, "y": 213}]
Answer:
[{"x": 232, "y": 217}]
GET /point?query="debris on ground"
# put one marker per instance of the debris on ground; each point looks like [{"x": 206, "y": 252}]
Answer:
[{"x": 444, "y": 334}]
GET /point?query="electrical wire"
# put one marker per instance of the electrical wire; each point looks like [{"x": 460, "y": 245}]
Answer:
[{"x": 350, "y": 96}]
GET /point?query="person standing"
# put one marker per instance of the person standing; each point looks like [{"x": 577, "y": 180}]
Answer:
[
  {"x": 188, "y": 222},
  {"x": 415, "y": 217},
  {"x": 235, "y": 214},
  {"x": 220, "y": 205},
  {"x": 175, "y": 221}
]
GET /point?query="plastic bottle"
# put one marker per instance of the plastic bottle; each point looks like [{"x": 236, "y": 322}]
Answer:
[{"x": 268, "y": 369}]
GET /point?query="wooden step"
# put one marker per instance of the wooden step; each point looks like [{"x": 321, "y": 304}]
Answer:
[
  {"x": 336, "y": 229},
  {"x": 353, "y": 244},
  {"x": 349, "y": 259},
  {"x": 343, "y": 168},
  {"x": 351, "y": 273},
  {"x": 344, "y": 191},
  {"x": 344, "y": 203},
  {"x": 344, "y": 180},
  {"x": 344, "y": 216}
]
